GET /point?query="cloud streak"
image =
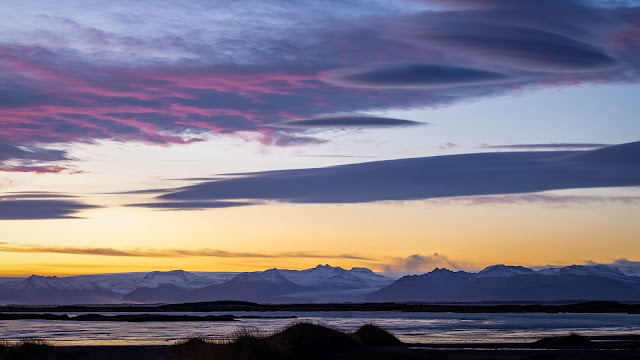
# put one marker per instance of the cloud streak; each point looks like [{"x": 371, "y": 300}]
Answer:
[
  {"x": 192, "y": 205},
  {"x": 40, "y": 209},
  {"x": 163, "y": 253},
  {"x": 14, "y": 158},
  {"x": 409, "y": 76},
  {"x": 550, "y": 146},
  {"x": 345, "y": 121},
  {"x": 539, "y": 198},
  {"x": 427, "y": 178}
]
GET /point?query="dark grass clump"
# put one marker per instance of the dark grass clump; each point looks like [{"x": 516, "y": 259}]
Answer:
[
  {"x": 572, "y": 339},
  {"x": 28, "y": 348},
  {"x": 373, "y": 335},
  {"x": 309, "y": 341},
  {"x": 195, "y": 347},
  {"x": 297, "y": 341}
]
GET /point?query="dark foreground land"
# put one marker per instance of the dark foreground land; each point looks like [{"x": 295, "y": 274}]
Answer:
[
  {"x": 572, "y": 307},
  {"x": 310, "y": 341}
]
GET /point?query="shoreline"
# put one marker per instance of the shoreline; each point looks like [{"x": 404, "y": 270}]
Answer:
[
  {"x": 587, "y": 307},
  {"x": 132, "y": 318}
]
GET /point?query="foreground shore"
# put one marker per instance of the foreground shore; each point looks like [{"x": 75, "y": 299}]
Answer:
[{"x": 312, "y": 341}]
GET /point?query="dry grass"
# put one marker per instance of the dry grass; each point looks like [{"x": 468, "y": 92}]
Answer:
[
  {"x": 374, "y": 335},
  {"x": 300, "y": 340},
  {"x": 27, "y": 348}
]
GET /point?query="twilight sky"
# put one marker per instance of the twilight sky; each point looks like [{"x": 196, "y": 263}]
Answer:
[{"x": 397, "y": 135}]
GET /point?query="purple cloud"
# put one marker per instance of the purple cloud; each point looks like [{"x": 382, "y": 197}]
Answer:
[
  {"x": 345, "y": 121},
  {"x": 37, "y": 209},
  {"x": 158, "y": 78},
  {"x": 192, "y": 205},
  {"x": 407, "y": 76}
]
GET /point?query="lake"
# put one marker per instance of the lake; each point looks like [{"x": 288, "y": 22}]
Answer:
[{"x": 409, "y": 327}]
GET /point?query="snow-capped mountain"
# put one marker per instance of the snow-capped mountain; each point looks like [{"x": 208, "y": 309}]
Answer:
[
  {"x": 584, "y": 270},
  {"x": 328, "y": 277},
  {"x": 594, "y": 270},
  {"x": 262, "y": 286},
  {"x": 37, "y": 282},
  {"x": 179, "y": 278},
  {"x": 120, "y": 283},
  {"x": 325, "y": 283},
  {"x": 54, "y": 290},
  {"x": 506, "y": 283},
  {"x": 504, "y": 271}
]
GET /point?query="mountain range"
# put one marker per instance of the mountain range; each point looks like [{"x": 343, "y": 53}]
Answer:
[
  {"x": 324, "y": 283},
  {"x": 513, "y": 283}
]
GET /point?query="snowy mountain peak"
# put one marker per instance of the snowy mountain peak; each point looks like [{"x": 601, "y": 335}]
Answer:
[
  {"x": 504, "y": 271},
  {"x": 177, "y": 273},
  {"x": 39, "y": 282},
  {"x": 593, "y": 270},
  {"x": 441, "y": 271},
  {"x": 272, "y": 276},
  {"x": 174, "y": 277},
  {"x": 327, "y": 266}
]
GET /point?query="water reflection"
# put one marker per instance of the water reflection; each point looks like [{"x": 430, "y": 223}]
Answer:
[{"x": 409, "y": 327}]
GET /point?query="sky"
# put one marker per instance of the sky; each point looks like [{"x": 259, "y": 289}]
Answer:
[{"x": 395, "y": 135}]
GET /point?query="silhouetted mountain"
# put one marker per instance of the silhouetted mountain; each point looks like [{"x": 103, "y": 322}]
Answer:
[
  {"x": 438, "y": 285},
  {"x": 505, "y": 283},
  {"x": 255, "y": 286},
  {"x": 54, "y": 290}
]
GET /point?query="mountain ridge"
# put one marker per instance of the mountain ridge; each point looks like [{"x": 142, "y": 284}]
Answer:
[{"x": 326, "y": 283}]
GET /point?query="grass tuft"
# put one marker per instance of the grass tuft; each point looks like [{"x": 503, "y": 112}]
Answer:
[
  {"x": 572, "y": 339},
  {"x": 374, "y": 335}
]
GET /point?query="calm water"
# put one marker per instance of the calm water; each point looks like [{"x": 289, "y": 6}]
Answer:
[{"x": 409, "y": 327}]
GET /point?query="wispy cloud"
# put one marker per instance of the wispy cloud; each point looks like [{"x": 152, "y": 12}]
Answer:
[
  {"x": 345, "y": 121},
  {"x": 163, "y": 253},
  {"x": 549, "y": 146},
  {"x": 14, "y": 158},
  {"x": 419, "y": 264},
  {"x": 554, "y": 200},
  {"x": 192, "y": 205}
]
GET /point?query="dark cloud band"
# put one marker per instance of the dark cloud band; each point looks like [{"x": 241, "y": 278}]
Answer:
[
  {"x": 416, "y": 76},
  {"x": 429, "y": 177},
  {"x": 345, "y": 121},
  {"x": 550, "y": 146},
  {"x": 192, "y": 205},
  {"x": 29, "y": 209}
]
